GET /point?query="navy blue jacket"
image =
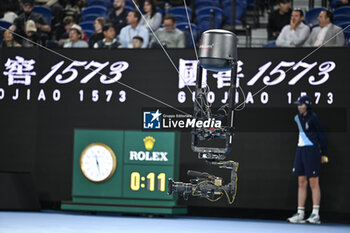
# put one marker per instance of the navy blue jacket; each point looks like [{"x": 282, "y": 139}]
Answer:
[{"x": 311, "y": 132}]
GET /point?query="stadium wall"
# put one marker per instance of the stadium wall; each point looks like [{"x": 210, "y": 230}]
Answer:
[{"x": 44, "y": 97}]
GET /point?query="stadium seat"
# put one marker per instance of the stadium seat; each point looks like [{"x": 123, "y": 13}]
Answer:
[
  {"x": 129, "y": 3},
  {"x": 4, "y": 24},
  {"x": 347, "y": 37},
  {"x": 89, "y": 17},
  {"x": 96, "y": 10},
  {"x": 87, "y": 25},
  {"x": 186, "y": 29},
  {"x": 241, "y": 7},
  {"x": 180, "y": 11},
  {"x": 198, "y": 4},
  {"x": 129, "y": 8},
  {"x": 185, "y": 26},
  {"x": 344, "y": 24},
  {"x": 251, "y": 4},
  {"x": 345, "y": 10},
  {"x": 210, "y": 11},
  {"x": 244, "y": 2},
  {"x": 334, "y": 2},
  {"x": 209, "y": 17},
  {"x": 45, "y": 12},
  {"x": 337, "y": 19},
  {"x": 206, "y": 22},
  {"x": 346, "y": 27},
  {"x": 105, "y": 3},
  {"x": 311, "y": 16},
  {"x": 160, "y": 10},
  {"x": 181, "y": 19}
]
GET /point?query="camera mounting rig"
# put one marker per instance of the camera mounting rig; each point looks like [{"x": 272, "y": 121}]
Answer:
[{"x": 217, "y": 52}]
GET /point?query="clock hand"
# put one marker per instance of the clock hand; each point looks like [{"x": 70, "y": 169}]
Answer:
[{"x": 98, "y": 166}]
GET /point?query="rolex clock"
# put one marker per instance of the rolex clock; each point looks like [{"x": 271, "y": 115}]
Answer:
[{"x": 98, "y": 162}]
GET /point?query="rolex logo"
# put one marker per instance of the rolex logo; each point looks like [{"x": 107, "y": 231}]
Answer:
[
  {"x": 148, "y": 155},
  {"x": 149, "y": 142}
]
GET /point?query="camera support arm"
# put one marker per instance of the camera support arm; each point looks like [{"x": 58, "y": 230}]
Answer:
[{"x": 202, "y": 111}]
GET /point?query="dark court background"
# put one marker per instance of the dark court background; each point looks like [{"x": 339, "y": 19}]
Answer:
[{"x": 37, "y": 119}]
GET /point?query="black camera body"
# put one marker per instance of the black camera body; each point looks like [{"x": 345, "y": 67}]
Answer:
[{"x": 207, "y": 186}]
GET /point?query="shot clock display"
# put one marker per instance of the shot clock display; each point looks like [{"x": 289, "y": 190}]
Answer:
[
  {"x": 135, "y": 179},
  {"x": 146, "y": 181}
]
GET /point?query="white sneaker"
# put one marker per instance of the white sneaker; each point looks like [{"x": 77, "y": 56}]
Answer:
[
  {"x": 296, "y": 218},
  {"x": 314, "y": 219}
]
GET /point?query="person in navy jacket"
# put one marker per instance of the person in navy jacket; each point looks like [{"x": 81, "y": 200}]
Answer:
[{"x": 311, "y": 152}]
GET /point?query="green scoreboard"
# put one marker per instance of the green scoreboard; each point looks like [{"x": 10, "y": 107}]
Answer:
[{"x": 124, "y": 171}]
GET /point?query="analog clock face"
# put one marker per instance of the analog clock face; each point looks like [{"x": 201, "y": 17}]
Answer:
[{"x": 98, "y": 162}]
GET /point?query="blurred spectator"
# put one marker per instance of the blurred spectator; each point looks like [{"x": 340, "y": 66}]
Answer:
[
  {"x": 9, "y": 15},
  {"x": 278, "y": 19},
  {"x": 68, "y": 23},
  {"x": 8, "y": 40},
  {"x": 137, "y": 42},
  {"x": 54, "y": 5},
  {"x": 98, "y": 35},
  {"x": 48, "y": 3},
  {"x": 117, "y": 15},
  {"x": 109, "y": 40},
  {"x": 153, "y": 18},
  {"x": 73, "y": 7},
  {"x": 75, "y": 41},
  {"x": 45, "y": 3},
  {"x": 31, "y": 34},
  {"x": 342, "y": 3},
  {"x": 294, "y": 34},
  {"x": 169, "y": 36},
  {"x": 133, "y": 29},
  {"x": 327, "y": 34},
  {"x": 28, "y": 14}
]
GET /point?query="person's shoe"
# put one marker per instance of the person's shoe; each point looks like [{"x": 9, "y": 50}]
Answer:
[
  {"x": 296, "y": 218},
  {"x": 314, "y": 219}
]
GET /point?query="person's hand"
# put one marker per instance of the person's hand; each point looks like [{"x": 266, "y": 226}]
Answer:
[
  {"x": 324, "y": 159},
  {"x": 61, "y": 42},
  {"x": 12, "y": 28},
  {"x": 292, "y": 25}
]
